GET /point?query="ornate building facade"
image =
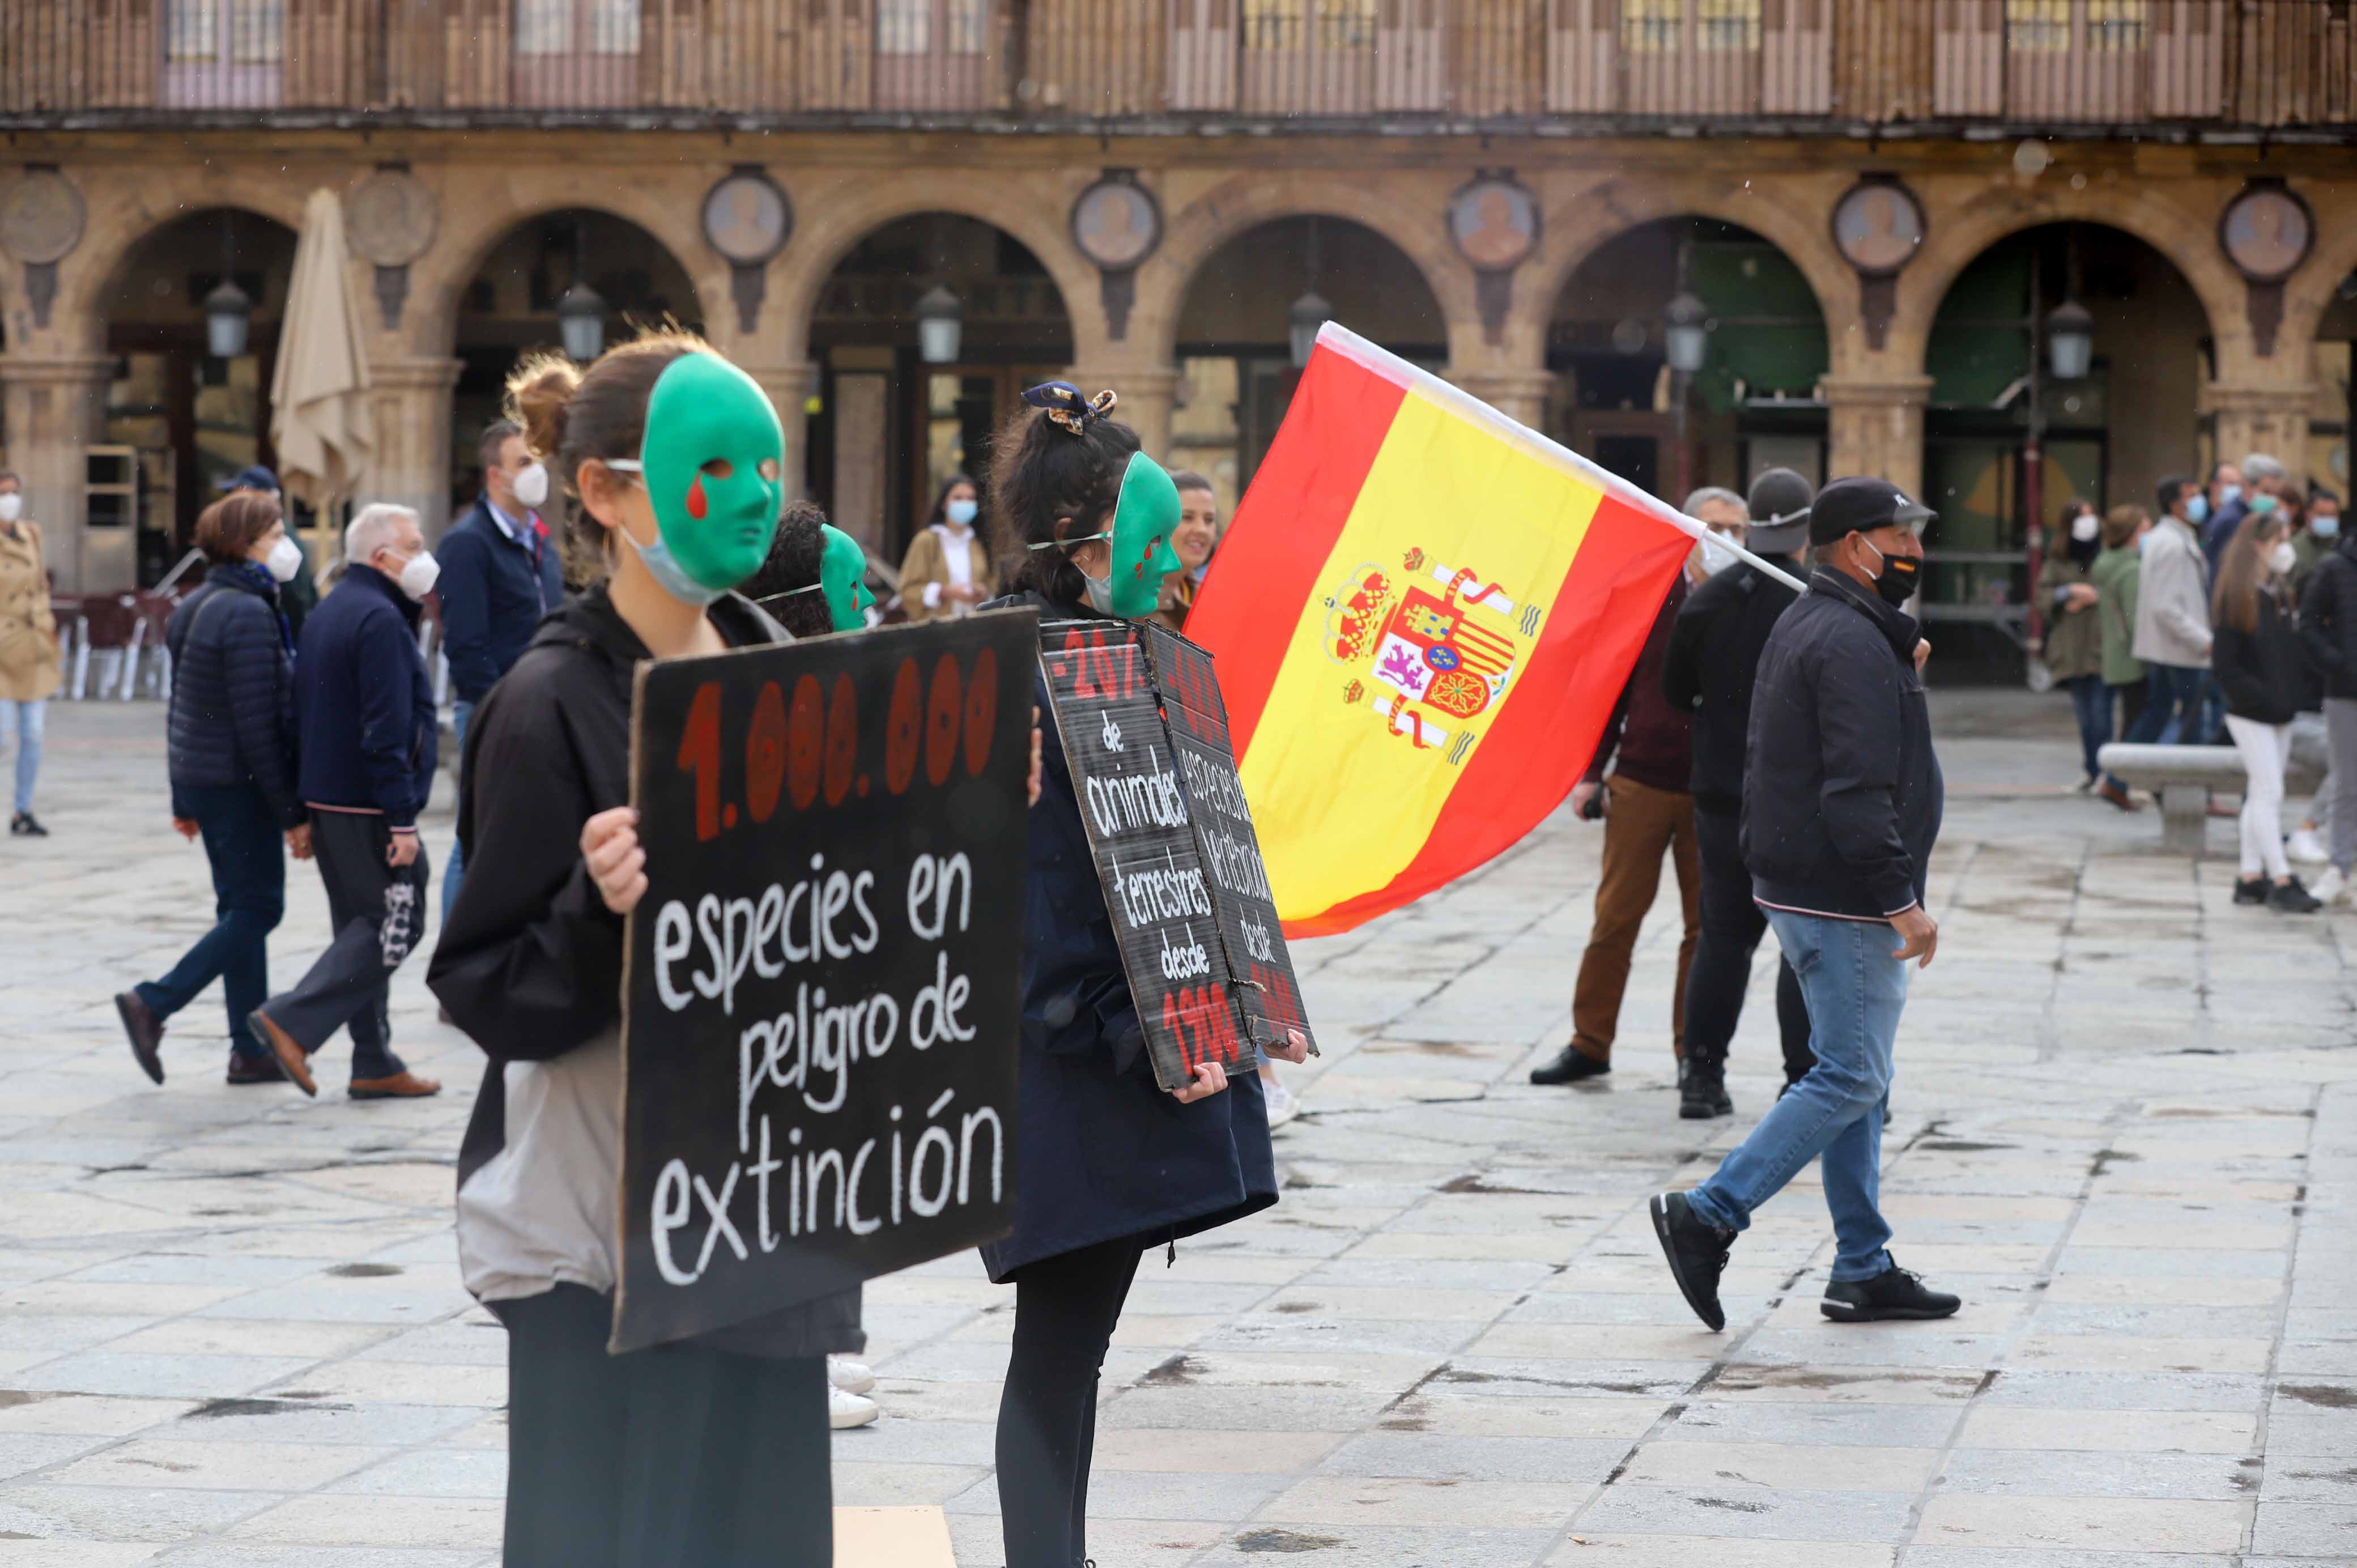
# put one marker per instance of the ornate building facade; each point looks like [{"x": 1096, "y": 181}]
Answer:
[{"x": 1878, "y": 207}]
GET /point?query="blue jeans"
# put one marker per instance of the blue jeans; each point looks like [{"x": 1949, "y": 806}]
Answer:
[
  {"x": 461, "y": 711},
  {"x": 25, "y": 721},
  {"x": 2093, "y": 702},
  {"x": 1855, "y": 990},
  {"x": 249, "y": 862},
  {"x": 2172, "y": 705}
]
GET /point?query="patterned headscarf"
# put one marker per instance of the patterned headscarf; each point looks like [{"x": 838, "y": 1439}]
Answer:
[{"x": 1067, "y": 408}]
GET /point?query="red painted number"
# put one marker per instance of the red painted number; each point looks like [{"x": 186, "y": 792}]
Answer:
[
  {"x": 904, "y": 728},
  {"x": 805, "y": 724},
  {"x": 765, "y": 753},
  {"x": 699, "y": 752},
  {"x": 942, "y": 713},
  {"x": 842, "y": 740},
  {"x": 981, "y": 712}
]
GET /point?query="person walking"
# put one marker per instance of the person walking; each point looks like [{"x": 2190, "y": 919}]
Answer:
[
  {"x": 2328, "y": 626},
  {"x": 1114, "y": 1165},
  {"x": 710, "y": 1451},
  {"x": 230, "y": 729},
  {"x": 299, "y": 595},
  {"x": 2262, "y": 668},
  {"x": 2116, "y": 574},
  {"x": 947, "y": 571},
  {"x": 499, "y": 575},
  {"x": 364, "y": 711},
  {"x": 1842, "y": 803},
  {"x": 29, "y": 661},
  {"x": 1708, "y": 672},
  {"x": 1197, "y": 537},
  {"x": 2074, "y": 632},
  {"x": 1647, "y": 811},
  {"x": 2173, "y": 622}
]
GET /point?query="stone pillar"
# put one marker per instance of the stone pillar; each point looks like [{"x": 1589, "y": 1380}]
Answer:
[
  {"x": 1877, "y": 428},
  {"x": 411, "y": 463},
  {"x": 2267, "y": 418},
  {"x": 56, "y": 412},
  {"x": 1519, "y": 395},
  {"x": 1148, "y": 393},
  {"x": 789, "y": 387}
]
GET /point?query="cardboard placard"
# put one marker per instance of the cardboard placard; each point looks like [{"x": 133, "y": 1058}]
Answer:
[
  {"x": 823, "y": 994},
  {"x": 1200, "y": 941}
]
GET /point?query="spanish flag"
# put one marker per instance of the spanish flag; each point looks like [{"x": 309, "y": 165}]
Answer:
[{"x": 1423, "y": 614}]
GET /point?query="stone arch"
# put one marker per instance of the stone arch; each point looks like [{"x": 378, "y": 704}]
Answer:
[
  {"x": 123, "y": 214},
  {"x": 1570, "y": 235},
  {"x": 1208, "y": 223},
  {"x": 2309, "y": 291},
  {"x": 1965, "y": 228},
  {"x": 830, "y": 223}
]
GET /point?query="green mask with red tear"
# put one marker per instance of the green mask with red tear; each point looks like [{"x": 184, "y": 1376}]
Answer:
[
  {"x": 1144, "y": 519},
  {"x": 842, "y": 579},
  {"x": 712, "y": 458}
]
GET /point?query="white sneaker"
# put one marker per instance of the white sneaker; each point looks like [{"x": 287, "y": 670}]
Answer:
[
  {"x": 2306, "y": 848},
  {"x": 2330, "y": 887},
  {"x": 849, "y": 1410},
  {"x": 1283, "y": 1106},
  {"x": 852, "y": 1377}
]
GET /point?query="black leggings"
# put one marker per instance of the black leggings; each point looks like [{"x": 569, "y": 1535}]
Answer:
[{"x": 1065, "y": 1309}]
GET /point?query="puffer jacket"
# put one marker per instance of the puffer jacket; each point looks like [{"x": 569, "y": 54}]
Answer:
[{"x": 233, "y": 711}]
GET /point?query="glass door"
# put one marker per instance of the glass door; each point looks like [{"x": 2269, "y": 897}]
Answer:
[{"x": 224, "y": 54}]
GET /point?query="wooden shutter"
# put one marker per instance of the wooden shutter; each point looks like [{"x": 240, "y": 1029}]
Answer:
[
  {"x": 1202, "y": 54},
  {"x": 2189, "y": 58},
  {"x": 1411, "y": 52},
  {"x": 1582, "y": 56},
  {"x": 1796, "y": 48},
  {"x": 1968, "y": 58}
]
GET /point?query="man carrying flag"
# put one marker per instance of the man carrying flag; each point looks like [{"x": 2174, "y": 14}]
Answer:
[{"x": 1841, "y": 801}]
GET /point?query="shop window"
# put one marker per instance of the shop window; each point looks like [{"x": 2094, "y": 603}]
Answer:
[
  {"x": 224, "y": 54},
  {"x": 1309, "y": 56},
  {"x": 576, "y": 53}
]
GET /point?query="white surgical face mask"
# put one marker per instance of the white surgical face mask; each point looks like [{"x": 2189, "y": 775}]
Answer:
[
  {"x": 2282, "y": 558},
  {"x": 1716, "y": 556},
  {"x": 418, "y": 575},
  {"x": 284, "y": 560},
  {"x": 961, "y": 514},
  {"x": 11, "y": 507},
  {"x": 2085, "y": 527},
  {"x": 531, "y": 485}
]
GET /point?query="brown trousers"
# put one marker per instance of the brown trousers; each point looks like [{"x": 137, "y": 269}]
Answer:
[{"x": 1641, "y": 823}]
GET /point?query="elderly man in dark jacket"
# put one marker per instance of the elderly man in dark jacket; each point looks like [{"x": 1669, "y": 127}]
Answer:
[
  {"x": 1842, "y": 799},
  {"x": 366, "y": 715},
  {"x": 1712, "y": 665}
]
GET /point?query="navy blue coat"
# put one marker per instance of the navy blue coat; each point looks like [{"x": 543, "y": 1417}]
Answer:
[
  {"x": 233, "y": 711},
  {"x": 362, "y": 701},
  {"x": 493, "y": 592},
  {"x": 1105, "y": 1154}
]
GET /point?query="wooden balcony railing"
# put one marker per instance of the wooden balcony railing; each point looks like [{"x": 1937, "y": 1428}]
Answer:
[{"x": 2272, "y": 65}]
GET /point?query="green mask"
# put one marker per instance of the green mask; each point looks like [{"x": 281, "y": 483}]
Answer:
[
  {"x": 841, "y": 574},
  {"x": 1142, "y": 521},
  {"x": 706, "y": 415}
]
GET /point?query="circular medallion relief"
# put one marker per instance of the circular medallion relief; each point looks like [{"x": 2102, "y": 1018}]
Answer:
[
  {"x": 1878, "y": 226},
  {"x": 2266, "y": 232},
  {"x": 1116, "y": 224},
  {"x": 747, "y": 218},
  {"x": 41, "y": 217},
  {"x": 1495, "y": 223},
  {"x": 389, "y": 218}
]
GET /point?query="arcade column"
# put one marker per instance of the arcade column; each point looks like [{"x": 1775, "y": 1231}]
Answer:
[
  {"x": 2269, "y": 417},
  {"x": 1148, "y": 393},
  {"x": 789, "y": 387},
  {"x": 1875, "y": 428},
  {"x": 411, "y": 464},
  {"x": 1519, "y": 395},
  {"x": 56, "y": 410}
]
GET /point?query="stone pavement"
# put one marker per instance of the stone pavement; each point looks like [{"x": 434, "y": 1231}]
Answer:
[{"x": 232, "y": 1331}]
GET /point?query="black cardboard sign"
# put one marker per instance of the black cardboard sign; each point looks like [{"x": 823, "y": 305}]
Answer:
[
  {"x": 823, "y": 996},
  {"x": 1174, "y": 844}
]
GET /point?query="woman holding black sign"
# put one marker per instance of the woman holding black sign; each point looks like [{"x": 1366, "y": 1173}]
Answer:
[
  {"x": 1112, "y": 1166},
  {"x": 712, "y": 1451}
]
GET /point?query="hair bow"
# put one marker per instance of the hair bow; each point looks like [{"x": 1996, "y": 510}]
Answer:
[{"x": 1063, "y": 405}]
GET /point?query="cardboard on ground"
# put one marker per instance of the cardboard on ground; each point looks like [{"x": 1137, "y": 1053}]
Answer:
[{"x": 893, "y": 1538}]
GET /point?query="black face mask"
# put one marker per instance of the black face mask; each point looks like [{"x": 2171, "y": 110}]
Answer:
[{"x": 1900, "y": 579}]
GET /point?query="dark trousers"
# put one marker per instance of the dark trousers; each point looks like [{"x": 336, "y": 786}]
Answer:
[
  {"x": 1732, "y": 926},
  {"x": 2172, "y": 706},
  {"x": 249, "y": 864},
  {"x": 2131, "y": 695},
  {"x": 379, "y": 914},
  {"x": 1640, "y": 825},
  {"x": 2091, "y": 700},
  {"x": 677, "y": 1456},
  {"x": 1065, "y": 1309}
]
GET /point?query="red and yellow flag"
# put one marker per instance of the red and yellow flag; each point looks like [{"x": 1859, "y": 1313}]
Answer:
[{"x": 1423, "y": 613}]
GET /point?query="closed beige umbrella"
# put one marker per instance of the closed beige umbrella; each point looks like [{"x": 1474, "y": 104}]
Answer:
[{"x": 319, "y": 418}]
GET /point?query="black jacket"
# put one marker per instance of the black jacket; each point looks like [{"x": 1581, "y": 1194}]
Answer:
[
  {"x": 530, "y": 963},
  {"x": 493, "y": 592},
  {"x": 2327, "y": 619},
  {"x": 1842, "y": 793},
  {"x": 1712, "y": 664},
  {"x": 2263, "y": 672},
  {"x": 363, "y": 703},
  {"x": 1105, "y": 1154},
  {"x": 232, "y": 709}
]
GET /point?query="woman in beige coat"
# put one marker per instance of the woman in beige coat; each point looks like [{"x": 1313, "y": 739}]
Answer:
[
  {"x": 28, "y": 648},
  {"x": 947, "y": 571}
]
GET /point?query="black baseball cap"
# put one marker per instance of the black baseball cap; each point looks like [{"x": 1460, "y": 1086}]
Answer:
[
  {"x": 1861, "y": 505},
  {"x": 1779, "y": 505}
]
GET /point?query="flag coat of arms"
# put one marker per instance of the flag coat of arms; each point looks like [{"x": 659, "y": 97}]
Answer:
[{"x": 1423, "y": 614}]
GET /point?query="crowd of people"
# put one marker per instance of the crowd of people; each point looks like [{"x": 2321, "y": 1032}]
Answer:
[{"x": 2226, "y": 618}]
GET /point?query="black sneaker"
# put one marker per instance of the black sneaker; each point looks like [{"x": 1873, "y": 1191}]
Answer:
[
  {"x": 1702, "y": 1090},
  {"x": 25, "y": 825},
  {"x": 1568, "y": 1066},
  {"x": 2253, "y": 892},
  {"x": 1697, "y": 1254},
  {"x": 1894, "y": 1292},
  {"x": 2292, "y": 898}
]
